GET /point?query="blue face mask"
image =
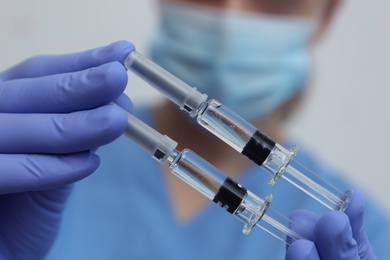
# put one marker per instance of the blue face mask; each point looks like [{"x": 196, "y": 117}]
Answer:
[{"x": 250, "y": 63}]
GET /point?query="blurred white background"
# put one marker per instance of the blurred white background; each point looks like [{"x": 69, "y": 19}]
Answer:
[{"x": 346, "y": 118}]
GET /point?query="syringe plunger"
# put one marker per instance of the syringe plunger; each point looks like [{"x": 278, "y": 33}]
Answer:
[
  {"x": 159, "y": 146},
  {"x": 176, "y": 90}
]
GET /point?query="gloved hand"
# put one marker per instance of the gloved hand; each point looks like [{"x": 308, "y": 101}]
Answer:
[
  {"x": 335, "y": 235},
  {"x": 53, "y": 114}
]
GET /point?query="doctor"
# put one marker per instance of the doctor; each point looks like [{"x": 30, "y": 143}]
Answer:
[{"x": 253, "y": 56}]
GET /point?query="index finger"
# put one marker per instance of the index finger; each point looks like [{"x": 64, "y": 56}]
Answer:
[{"x": 45, "y": 65}]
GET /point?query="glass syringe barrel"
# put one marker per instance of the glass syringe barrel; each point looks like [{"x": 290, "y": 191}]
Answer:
[
  {"x": 237, "y": 132},
  {"x": 219, "y": 120},
  {"x": 230, "y": 195},
  {"x": 209, "y": 181},
  {"x": 277, "y": 160}
]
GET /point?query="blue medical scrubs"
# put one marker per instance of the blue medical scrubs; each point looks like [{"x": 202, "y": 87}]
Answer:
[{"x": 123, "y": 211}]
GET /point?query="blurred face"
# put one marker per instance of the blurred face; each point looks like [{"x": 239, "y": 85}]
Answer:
[
  {"x": 251, "y": 55},
  {"x": 320, "y": 10},
  {"x": 277, "y": 7}
]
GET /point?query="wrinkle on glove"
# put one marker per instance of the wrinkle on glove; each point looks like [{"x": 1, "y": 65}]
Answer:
[
  {"x": 66, "y": 92},
  {"x": 61, "y": 133}
]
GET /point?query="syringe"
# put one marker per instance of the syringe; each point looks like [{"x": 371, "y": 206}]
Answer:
[
  {"x": 211, "y": 182},
  {"x": 238, "y": 133}
]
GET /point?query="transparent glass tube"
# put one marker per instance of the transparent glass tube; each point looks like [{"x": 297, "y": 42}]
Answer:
[
  {"x": 237, "y": 132},
  {"x": 205, "y": 178},
  {"x": 226, "y": 125},
  {"x": 278, "y": 161},
  {"x": 275, "y": 223},
  {"x": 230, "y": 195},
  {"x": 193, "y": 170}
]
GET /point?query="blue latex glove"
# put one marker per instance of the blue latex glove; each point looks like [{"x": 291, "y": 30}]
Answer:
[
  {"x": 336, "y": 235},
  {"x": 53, "y": 113}
]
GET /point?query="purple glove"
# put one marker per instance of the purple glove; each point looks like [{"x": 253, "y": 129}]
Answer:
[
  {"x": 335, "y": 235},
  {"x": 53, "y": 113}
]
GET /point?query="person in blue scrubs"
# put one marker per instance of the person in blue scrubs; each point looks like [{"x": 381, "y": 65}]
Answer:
[{"x": 253, "y": 56}]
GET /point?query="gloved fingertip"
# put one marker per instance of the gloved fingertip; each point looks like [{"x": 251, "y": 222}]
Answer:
[
  {"x": 124, "y": 102},
  {"x": 303, "y": 222},
  {"x": 333, "y": 237},
  {"x": 87, "y": 163},
  {"x": 101, "y": 85},
  {"x": 356, "y": 206},
  {"x": 301, "y": 250},
  {"x": 116, "y": 76},
  {"x": 115, "y": 121},
  {"x": 119, "y": 49},
  {"x": 333, "y": 224},
  {"x": 355, "y": 213},
  {"x": 95, "y": 161}
]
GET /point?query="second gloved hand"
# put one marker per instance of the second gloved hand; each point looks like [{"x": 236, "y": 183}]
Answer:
[
  {"x": 53, "y": 113},
  {"x": 336, "y": 235}
]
